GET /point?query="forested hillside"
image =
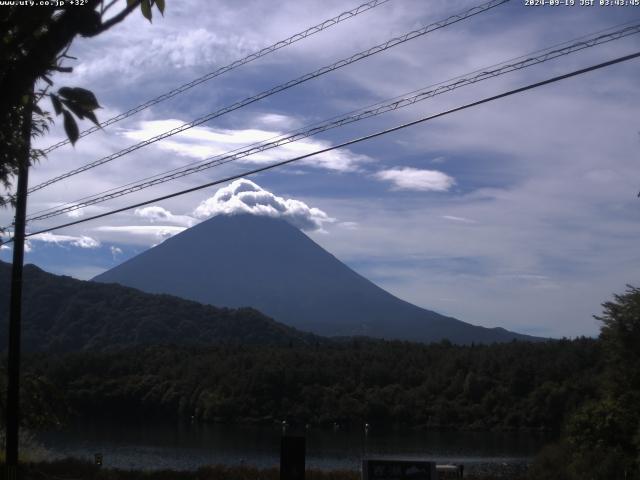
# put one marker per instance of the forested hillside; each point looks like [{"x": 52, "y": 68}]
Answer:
[
  {"x": 61, "y": 314},
  {"x": 504, "y": 386}
]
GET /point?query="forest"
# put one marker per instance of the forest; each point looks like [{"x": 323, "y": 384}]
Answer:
[
  {"x": 62, "y": 314},
  {"x": 513, "y": 386},
  {"x": 109, "y": 351}
]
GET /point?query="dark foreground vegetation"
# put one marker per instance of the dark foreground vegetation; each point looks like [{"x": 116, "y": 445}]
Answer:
[
  {"x": 504, "y": 386},
  {"x": 75, "y": 469},
  {"x": 587, "y": 389},
  {"x": 601, "y": 439},
  {"x": 83, "y": 470}
]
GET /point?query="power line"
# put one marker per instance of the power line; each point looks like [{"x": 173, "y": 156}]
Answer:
[
  {"x": 345, "y": 144},
  {"x": 378, "y": 109},
  {"x": 583, "y": 38},
  {"x": 249, "y": 100},
  {"x": 237, "y": 63}
]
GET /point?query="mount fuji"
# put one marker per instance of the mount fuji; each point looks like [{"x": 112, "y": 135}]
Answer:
[{"x": 246, "y": 260}]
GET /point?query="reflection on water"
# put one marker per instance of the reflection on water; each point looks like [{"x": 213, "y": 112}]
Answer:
[{"x": 186, "y": 446}]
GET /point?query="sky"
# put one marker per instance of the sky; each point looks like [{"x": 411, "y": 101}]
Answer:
[{"x": 520, "y": 213}]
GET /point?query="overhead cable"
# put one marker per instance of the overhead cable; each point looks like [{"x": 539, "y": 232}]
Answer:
[
  {"x": 378, "y": 109},
  {"x": 237, "y": 63},
  {"x": 344, "y": 144},
  {"x": 249, "y": 100}
]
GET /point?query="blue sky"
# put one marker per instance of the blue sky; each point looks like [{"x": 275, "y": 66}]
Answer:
[{"x": 520, "y": 213}]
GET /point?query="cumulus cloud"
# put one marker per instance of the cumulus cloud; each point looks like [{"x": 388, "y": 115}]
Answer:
[
  {"x": 407, "y": 178},
  {"x": 244, "y": 196},
  {"x": 155, "y": 213},
  {"x": 82, "y": 241}
]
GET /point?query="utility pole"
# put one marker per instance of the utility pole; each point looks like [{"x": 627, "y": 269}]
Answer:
[{"x": 15, "y": 309}]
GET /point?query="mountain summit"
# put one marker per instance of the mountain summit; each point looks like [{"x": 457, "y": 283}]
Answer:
[{"x": 268, "y": 264}]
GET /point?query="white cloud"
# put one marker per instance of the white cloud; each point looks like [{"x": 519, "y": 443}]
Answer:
[
  {"x": 204, "y": 142},
  {"x": 349, "y": 225},
  {"x": 407, "y": 178},
  {"x": 155, "y": 213},
  {"x": 276, "y": 120},
  {"x": 554, "y": 205},
  {"x": 458, "y": 219},
  {"x": 81, "y": 241},
  {"x": 76, "y": 213},
  {"x": 154, "y": 232},
  {"x": 115, "y": 251},
  {"x": 244, "y": 196},
  {"x": 178, "y": 49}
]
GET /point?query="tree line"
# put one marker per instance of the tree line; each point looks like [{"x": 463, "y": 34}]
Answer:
[{"x": 513, "y": 386}]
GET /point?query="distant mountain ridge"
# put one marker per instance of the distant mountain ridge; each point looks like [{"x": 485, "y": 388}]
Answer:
[
  {"x": 268, "y": 264},
  {"x": 62, "y": 314}
]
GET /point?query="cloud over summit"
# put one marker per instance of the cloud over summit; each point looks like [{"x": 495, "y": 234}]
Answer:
[{"x": 245, "y": 196}]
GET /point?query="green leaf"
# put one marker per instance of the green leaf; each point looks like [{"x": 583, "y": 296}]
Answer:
[
  {"x": 81, "y": 96},
  {"x": 131, "y": 3},
  {"x": 160, "y": 4},
  {"x": 65, "y": 91},
  {"x": 145, "y": 6},
  {"x": 71, "y": 127},
  {"x": 92, "y": 116},
  {"x": 79, "y": 111},
  {"x": 57, "y": 106}
]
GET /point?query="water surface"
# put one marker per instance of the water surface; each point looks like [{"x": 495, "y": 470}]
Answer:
[{"x": 188, "y": 446}]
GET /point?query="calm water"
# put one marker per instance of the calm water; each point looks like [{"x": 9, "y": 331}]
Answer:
[{"x": 185, "y": 446}]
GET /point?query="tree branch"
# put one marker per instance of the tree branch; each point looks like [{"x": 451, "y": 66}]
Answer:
[
  {"x": 107, "y": 7},
  {"x": 116, "y": 18}
]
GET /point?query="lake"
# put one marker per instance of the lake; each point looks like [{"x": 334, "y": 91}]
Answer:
[{"x": 188, "y": 446}]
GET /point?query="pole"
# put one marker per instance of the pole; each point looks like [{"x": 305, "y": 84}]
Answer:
[{"x": 15, "y": 309}]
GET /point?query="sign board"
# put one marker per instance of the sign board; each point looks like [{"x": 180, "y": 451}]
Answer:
[
  {"x": 292, "y": 453},
  {"x": 388, "y": 469}
]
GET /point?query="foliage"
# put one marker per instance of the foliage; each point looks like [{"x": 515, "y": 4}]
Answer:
[
  {"x": 379, "y": 382},
  {"x": 157, "y": 355},
  {"x": 76, "y": 469},
  {"x": 61, "y": 314},
  {"x": 41, "y": 402},
  {"x": 601, "y": 439},
  {"x": 620, "y": 335},
  {"x": 31, "y": 450},
  {"x": 70, "y": 468},
  {"x": 33, "y": 45}
]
